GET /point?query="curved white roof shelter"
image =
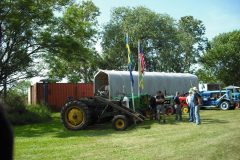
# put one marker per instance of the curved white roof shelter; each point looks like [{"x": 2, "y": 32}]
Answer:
[{"x": 119, "y": 82}]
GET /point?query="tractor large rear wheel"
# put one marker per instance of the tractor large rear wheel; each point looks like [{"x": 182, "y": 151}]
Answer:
[
  {"x": 75, "y": 115},
  {"x": 170, "y": 110}
]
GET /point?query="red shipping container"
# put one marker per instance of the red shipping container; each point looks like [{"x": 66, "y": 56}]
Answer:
[{"x": 55, "y": 95}]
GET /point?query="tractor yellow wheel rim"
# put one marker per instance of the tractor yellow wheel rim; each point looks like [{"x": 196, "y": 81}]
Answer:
[
  {"x": 185, "y": 110},
  {"x": 119, "y": 123},
  {"x": 75, "y": 116}
]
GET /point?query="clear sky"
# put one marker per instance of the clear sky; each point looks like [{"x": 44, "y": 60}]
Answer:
[{"x": 218, "y": 16}]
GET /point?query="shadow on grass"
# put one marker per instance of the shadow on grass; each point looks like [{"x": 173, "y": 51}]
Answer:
[
  {"x": 147, "y": 124},
  {"x": 38, "y": 129},
  {"x": 55, "y": 128},
  {"x": 214, "y": 121}
]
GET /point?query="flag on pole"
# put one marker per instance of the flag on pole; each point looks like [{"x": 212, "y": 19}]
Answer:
[
  {"x": 128, "y": 49},
  {"x": 141, "y": 67},
  {"x": 130, "y": 65},
  {"x": 130, "y": 60}
]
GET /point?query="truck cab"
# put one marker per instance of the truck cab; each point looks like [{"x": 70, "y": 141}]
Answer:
[{"x": 235, "y": 94}]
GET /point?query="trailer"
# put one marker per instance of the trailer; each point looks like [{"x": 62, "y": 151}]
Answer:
[{"x": 117, "y": 83}]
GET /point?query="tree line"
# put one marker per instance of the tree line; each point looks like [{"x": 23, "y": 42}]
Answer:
[{"x": 57, "y": 39}]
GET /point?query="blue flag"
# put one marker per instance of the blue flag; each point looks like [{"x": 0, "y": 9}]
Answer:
[{"x": 130, "y": 60}]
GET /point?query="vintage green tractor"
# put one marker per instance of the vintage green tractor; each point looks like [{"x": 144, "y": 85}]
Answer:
[{"x": 78, "y": 114}]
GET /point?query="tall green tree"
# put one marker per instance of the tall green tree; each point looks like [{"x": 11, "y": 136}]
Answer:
[
  {"x": 61, "y": 31},
  {"x": 168, "y": 45},
  {"x": 21, "y": 87},
  {"x": 141, "y": 24},
  {"x": 222, "y": 58},
  {"x": 71, "y": 53},
  {"x": 192, "y": 42},
  {"x": 22, "y": 23}
]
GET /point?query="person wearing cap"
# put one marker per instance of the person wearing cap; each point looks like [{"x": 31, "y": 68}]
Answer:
[
  {"x": 189, "y": 101},
  {"x": 197, "y": 103}
]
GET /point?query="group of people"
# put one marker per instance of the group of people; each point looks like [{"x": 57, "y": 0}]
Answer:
[{"x": 193, "y": 101}]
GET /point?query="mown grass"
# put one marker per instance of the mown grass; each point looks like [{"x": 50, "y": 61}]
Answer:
[{"x": 217, "y": 138}]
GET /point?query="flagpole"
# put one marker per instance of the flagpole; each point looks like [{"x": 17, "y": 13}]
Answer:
[
  {"x": 132, "y": 97},
  {"x": 139, "y": 69}
]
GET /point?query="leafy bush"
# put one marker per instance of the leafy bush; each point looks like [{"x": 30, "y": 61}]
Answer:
[
  {"x": 20, "y": 113},
  {"x": 15, "y": 101},
  {"x": 30, "y": 114}
]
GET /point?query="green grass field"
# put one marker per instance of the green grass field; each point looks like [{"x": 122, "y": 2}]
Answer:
[{"x": 217, "y": 138}]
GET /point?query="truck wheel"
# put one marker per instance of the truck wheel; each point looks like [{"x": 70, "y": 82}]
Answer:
[
  {"x": 224, "y": 105},
  {"x": 185, "y": 109},
  {"x": 75, "y": 115},
  {"x": 120, "y": 122},
  {"x": 170, "y": 110}
]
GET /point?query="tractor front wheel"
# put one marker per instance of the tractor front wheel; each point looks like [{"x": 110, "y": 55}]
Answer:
[
  {"x": 185, "y": 109},
  {"x": 75, "y": 115},
  {"x": 120, "y": 122}
]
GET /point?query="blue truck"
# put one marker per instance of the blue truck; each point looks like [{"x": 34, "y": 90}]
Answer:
[{"x": 228, "y": 98}]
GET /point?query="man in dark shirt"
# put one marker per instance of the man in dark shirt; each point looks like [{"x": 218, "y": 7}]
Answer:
[
  {"x": 161, "y": 111},
  {"x": 153, "y": 107},
  {"x": 178, "y": 107},
  {"x": 197, "y": 100}
]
